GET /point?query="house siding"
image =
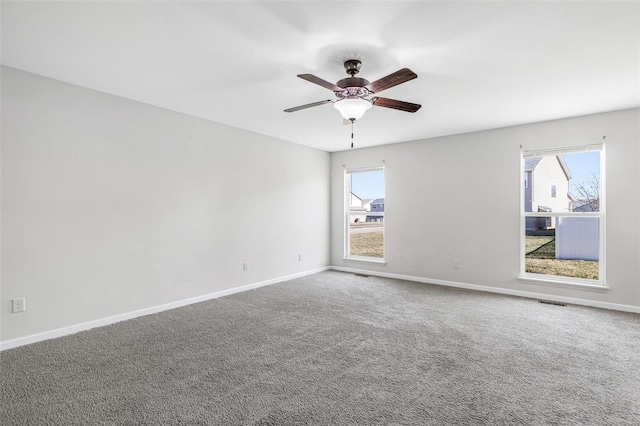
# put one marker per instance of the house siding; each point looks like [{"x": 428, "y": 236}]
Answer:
[
  {"x": 549, "y": 172},
  {"x": 527, "y": 191},
  {"x": 354, "y": 200},
  {"x": 379, "y": 207}
]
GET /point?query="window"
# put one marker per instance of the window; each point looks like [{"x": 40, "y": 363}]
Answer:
[
  {"x": 562, "y": 230},
  {"x": 364, "y": 215}
]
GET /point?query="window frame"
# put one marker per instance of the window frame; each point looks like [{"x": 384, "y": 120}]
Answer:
[
  {"x": 346, "y": 218},
  {"x": 528, "y": 277}
]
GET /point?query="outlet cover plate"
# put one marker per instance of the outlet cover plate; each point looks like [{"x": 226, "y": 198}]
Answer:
[{"x": 18, "y": 305}]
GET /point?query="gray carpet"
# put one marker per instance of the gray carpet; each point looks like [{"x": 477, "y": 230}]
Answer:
[{"x": 335, "y": 348}]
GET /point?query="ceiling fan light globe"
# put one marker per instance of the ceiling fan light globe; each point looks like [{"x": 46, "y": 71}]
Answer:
[{"x": 352, "y": 109}]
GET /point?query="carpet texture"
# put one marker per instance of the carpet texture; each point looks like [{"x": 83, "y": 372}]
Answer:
[{"x": 335, "y": 348}]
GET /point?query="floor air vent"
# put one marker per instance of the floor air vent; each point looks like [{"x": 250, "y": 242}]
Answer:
[{"x": 551, "y": 302}]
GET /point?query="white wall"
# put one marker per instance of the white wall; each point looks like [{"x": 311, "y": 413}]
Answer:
[
  {"x": 436, "y": 211},
  {"x": 110, "y": 205}
]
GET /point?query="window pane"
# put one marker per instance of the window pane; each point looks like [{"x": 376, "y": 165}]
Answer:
[
  {"x": 366, "y": 214},
  {"x": 563, "y": 182},
  {"x": 547, "y": 188},
  {"x": 563, "y": 186},
  {"x": 366, "y": 238},
  {"x": 585, "y": 181},
  {"x": 563, "y": 246}
]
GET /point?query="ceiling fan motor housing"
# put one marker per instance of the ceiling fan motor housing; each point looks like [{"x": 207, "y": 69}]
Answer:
[
  {"x": 352, "y": 66},
  {"x": 353, "y": 92},
  {"x": 352, "y": 82},
  {"x": 353, "y": 86}
]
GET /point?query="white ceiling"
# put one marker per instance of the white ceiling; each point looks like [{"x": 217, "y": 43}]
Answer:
[{"x": 480, "y": 65}]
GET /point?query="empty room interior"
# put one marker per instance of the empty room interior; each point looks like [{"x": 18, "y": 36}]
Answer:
[{"x": 310, "y": 212}]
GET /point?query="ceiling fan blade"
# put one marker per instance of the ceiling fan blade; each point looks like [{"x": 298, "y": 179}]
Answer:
[
  {"x": 398, "y": 77},
  {"x": 298, "y": 108},
  {"x": 320, "y": 82},
  {"x": 395, "y": 104}
]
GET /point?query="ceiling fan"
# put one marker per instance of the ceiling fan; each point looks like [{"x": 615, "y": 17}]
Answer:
[{"x": 356, "y": 95}]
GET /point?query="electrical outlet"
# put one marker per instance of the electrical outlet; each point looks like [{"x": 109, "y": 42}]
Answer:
[
  {"x": 18, "y": 304},
  {"x": 299, "y": 258},
  {"x": 245, "y": 266},
  {"x": 456, "y": 264}
]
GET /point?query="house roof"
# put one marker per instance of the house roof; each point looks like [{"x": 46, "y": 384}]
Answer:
[
  {"x": 564, "y": 166},
  {"x": 582, "y": 206},
  {"x": 531, "y": 163},
  {"x": 378, "y": 201}
]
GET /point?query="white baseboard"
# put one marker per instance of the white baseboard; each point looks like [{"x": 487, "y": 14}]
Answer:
[
  {"x": 528, "y": 294},
  {"x": 52, "y": 334}
]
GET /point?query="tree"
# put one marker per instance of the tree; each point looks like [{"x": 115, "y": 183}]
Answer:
[{"x": 589, "y": 193}]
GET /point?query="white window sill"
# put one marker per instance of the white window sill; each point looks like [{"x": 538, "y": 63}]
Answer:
[
  {"x": 363, "y": 259},
  {"x": 603, "y": 288}
]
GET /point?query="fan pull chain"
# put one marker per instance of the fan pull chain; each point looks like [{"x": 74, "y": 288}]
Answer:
[{"x": 352, "y": 120}]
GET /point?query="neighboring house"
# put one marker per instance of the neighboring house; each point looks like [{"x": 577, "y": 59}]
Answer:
[
  {"x": 365, "y": 209},
  {"x": 354, "y": 200},
  {"x": 582, "y": 206},
  {"x": 546, "y": 183},
  {"x": 357, "y": 211},
  {"x": 375, "y": 217},
  {"x": 377, "y": 205},
  {"x": 376, "y": 212}
]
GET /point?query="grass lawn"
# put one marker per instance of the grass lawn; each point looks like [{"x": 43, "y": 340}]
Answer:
[
  {"x": 367, "y": 244},
  {"x": 532, "y": 243},
  {"x": 566, "y": 268},
  {"x": 541, "y": 259},
  {"x": 366, "y": 225}
]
